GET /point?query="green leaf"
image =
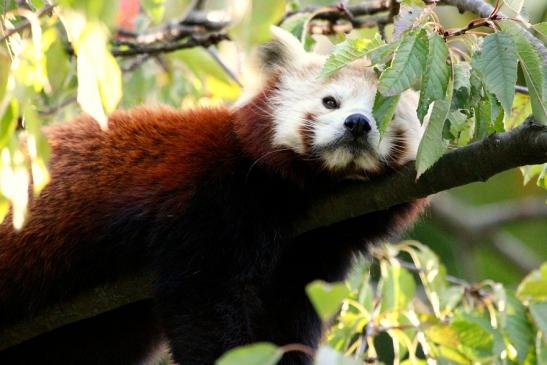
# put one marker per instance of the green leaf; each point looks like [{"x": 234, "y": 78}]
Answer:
[
  {"x": 326, "y": 298},
  {"x": 328, "y": 356},
  {"x": 295, "y": 24},
  {"x": 154, "y": 9},
  {"x": 407, "y": 64},
  {"x": 432, "y": 146},
  {"x": 542, "y": 180},
  {"x": 517, "y": 327},
  {"x": 347, "y": 52},
  {"x": 539, "y": 314},
  {"x": 534, "y": 285},
  {"x": 5, "y": 63},
  {"x": 532, "y": 67},
  {"x": 498, "y": 65},
  {"x": 514, "y": 6},
  {"x": 529, "y": 172},
  {"x": 541, "y": 28},
  {"x": 475, "y": 341},
  {"x": 383, "y": 110},
  {"x": 104, "y": 10},
  {"x": 457, "y": 122},
  {"x": 8, "y": 122},
  {"x": 397, "y": 287},
  {"x": 99, "y": 77},
  {"x": 436, "y": 75},
  {"x": 255, "y": 354}
]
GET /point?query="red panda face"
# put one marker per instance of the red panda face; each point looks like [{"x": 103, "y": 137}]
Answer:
[{"x": 330, "y": 119}]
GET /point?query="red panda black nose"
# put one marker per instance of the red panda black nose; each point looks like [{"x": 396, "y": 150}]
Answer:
[{"x": 357, "y": 124}]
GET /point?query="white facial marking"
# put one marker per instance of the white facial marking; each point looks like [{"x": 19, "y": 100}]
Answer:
[{"x": 299, "y": 94}]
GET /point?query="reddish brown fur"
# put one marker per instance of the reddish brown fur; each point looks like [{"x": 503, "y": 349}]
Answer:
[{"x": 155, "y": 149}]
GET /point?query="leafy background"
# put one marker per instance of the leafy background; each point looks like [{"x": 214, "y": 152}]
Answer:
[{"x": 43, "y": 84}]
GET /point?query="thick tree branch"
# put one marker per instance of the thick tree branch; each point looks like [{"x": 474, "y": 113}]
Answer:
[{"x": 524, "y": 145}]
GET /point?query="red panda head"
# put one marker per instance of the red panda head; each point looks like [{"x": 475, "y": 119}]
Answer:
[{"x": 326, "y": 122}]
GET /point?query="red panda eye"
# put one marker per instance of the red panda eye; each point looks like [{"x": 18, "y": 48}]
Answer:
[{"x": 330, "y": 103}]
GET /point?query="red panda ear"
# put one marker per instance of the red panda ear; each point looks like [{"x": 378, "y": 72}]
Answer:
[{"x": 283, "y": 51}]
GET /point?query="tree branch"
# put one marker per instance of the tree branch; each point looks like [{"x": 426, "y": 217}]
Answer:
[
  {"x": 478, "y": 161},
  {"x": 46, "y": 10},
  {"x": 524, "y": 145},
  {"x": 483, "y": 9}
]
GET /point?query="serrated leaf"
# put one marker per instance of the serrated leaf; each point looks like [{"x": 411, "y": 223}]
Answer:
[
  {"x": 432, "y": 146},
  {"x": 154, "y": 9},
  {"x": 436, "y": 75},
  {"x": 383, "y": 110},
  {"x": 532, "y": 67},
  {"x": 498, "y": 64},
  {"x": 407, "y": 65},
  {"x": 328, "y": 356},
  {"x": 326, "y": 298},
  {"x": 255, "y": 354},
  {"x": 347, "y": 52}
]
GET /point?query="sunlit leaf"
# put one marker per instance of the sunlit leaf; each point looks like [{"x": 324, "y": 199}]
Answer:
[
  {"x": 397, "y": 287},
  {"x": 498, "y": 64},
  {"x": 541, "y": 28},
  {"x": 99, "y": 77},
  {"x": 104, "y": 10},
  {"x": 347, "y": 52},
  {"x": 407, "y": 65},
  {"x": 534, "y": 285},
  {"x": 432, "y": 146},
  {"x": 154, "y": 9},
  {"x": 326, "y": 298},
  {"x": 475, "y": 341},
  {"x": 8, "y": 122},
  {"x": 254, "y": 354}
]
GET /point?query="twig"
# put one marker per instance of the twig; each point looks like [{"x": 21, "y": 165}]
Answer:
[
  {"x": 483, "y": 9},
  {"x": 54, "y": 109},
  {"x": 521, "y": 89},
  {"x": 214, "y": 54},
  {"x": 46, "y": 10}
]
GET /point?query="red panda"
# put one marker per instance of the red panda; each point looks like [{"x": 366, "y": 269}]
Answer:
[{"x": 206, "y": 199}]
